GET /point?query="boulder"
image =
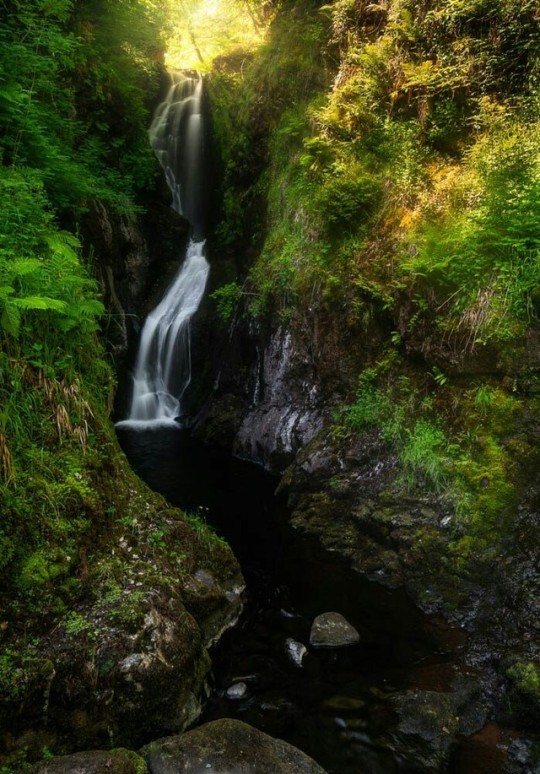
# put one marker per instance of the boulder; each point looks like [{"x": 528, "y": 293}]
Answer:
[
  {"x": 436, "y": 718},
  {"x": 226, "y": 746},
  {"x": 332, "y": 630}
]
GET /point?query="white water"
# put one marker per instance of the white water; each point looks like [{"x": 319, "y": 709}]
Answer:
[{"x": 163, "y": 367}]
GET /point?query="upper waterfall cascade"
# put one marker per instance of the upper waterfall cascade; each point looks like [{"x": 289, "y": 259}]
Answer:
[{"x": 163, "y": 367}]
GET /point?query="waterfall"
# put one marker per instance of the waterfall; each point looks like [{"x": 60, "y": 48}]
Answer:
[{"x": 163, "y": 367}]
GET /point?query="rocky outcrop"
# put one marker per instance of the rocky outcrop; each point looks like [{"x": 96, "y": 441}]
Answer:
[
  {"x": 129, "y": 661},
  {"x": 429, "y": 721},
  {"x": 271, "y": 390},
  {"x": 225, "y": 746},
  {"x": 347, "y": 493}
]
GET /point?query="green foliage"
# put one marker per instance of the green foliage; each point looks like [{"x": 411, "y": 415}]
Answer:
[
  {"x": 42, "y": 281},
  {"x": 205, "y": 535},
  {"x": 524, "y": 692},
  {"x": 408, "y": 424},
  {"x": 526, "y": 677},
  {"x": 424, "y": 455},
  {"x": 482, "y": 248},
  {"x": 250, "y": 97},
  {"x": 75, "y": 624},
  {"x": 469, "y": 461},
  {"x": 417, "y": 169},
  {"x": 157, "y": 538},
  {"x": 227, "y": 298},
  {"x": 202, "y": 32},
  {"x": 72, "y": 98}
]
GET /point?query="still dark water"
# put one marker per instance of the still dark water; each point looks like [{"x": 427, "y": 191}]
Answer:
[{"x": 337, "y": 706}]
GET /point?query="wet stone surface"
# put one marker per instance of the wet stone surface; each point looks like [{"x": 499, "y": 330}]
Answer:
[
  {"x": 332, "y": 630},
  {"x": 227, "y": 746}
]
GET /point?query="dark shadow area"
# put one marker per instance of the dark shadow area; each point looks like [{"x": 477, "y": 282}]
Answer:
[{"x": 337, "y": 705}]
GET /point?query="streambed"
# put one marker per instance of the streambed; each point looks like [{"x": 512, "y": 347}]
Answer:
[{"x": 343, "y": 706}]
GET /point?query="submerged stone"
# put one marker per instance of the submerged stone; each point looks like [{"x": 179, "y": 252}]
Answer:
[
  {"x": 345, "y": 703},
  {"x": 227, "y": 746},
  {"x": 332, "y": 630},
  {"x": 295, "y": 650},
  {"x": 237, "y": 691}
]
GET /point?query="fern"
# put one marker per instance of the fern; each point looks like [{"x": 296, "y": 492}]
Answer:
[
  {"x": 41, "y": 302},
  {"x": 22, "y": 267},
  {"x": 11, "y": 320}
]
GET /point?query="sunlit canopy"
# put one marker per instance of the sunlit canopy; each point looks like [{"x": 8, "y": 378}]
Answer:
[{"x": 204, "y": 29}]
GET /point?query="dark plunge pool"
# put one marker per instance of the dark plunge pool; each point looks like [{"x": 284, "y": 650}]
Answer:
[{"x": 338, "y": 706}]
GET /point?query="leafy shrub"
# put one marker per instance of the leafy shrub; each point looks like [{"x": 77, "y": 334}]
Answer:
[{"x": 226, "y": 298}]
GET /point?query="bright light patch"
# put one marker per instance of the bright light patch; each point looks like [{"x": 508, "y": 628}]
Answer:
[{"x": 206, "y": 29}]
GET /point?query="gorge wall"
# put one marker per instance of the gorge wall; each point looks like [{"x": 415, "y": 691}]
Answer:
[
  {"x": 374, "y": 345},
  {"x": 371, "y": 335}
]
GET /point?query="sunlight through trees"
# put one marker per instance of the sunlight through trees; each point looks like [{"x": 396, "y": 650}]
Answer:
[{"x": 202, "y": 30}]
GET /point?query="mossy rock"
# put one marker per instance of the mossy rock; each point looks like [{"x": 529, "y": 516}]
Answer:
[
  {"x": 94, "y": 762},
  {"x": 523, "y": 696},
  {"x": 227, "y": 746}
]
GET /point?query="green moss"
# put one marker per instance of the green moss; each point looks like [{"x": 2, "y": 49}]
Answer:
[
  {"x": 525, "y": 677},
  {"x": 206, "y": 536},
  {"x": 467, "y": 445},
  {"x": 523, "y": 699}
]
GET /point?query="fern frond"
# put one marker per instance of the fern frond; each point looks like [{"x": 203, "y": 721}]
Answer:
[
  {"x": 40, "y": 302},
  {"x": 63, "y": 243},
  {"x": 11, "y": 320},
  {"x": 22, "y": 267}
]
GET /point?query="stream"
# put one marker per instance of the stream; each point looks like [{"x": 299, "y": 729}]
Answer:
[{"x": 337, "y": 705}]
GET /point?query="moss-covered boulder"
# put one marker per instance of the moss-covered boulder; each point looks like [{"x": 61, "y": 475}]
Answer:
[
  {"x": 129, "y": 656},
  {"x": 429, "y": 721},
  {"x": 227, "y": 746}
]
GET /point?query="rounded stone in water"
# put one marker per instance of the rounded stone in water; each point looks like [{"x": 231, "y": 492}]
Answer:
[
  {"x": 332, "y": 630},
  {"x": 295, "y": 650},
  {"x": 237, "y": 691}
]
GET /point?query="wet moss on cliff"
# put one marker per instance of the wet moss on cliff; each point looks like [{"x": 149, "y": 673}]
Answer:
[
  {"x": 382, "y": 219},
  {"x": 400, "y": 176}
]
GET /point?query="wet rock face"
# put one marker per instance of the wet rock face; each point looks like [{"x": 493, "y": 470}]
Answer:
[
  {"x": 135, "y": 258},
  {"x": 272, "y": 389},
  {"x": 285, "y": 411},
  {"x": 226, "y": 746}
]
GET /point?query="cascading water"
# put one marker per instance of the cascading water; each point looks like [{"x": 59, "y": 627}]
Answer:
[{"x": 163, "y": 367}]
